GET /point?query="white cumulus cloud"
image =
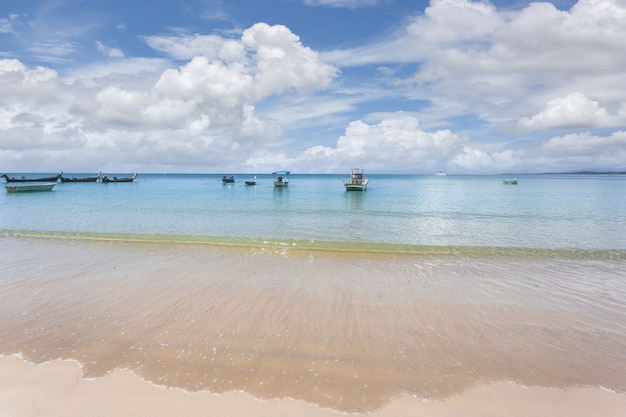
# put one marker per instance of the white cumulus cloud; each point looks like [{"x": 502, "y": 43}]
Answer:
[{"x": 570, "y": 112}]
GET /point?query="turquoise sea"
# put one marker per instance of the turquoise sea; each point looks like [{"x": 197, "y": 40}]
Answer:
[{"x": 583, "y": 212}]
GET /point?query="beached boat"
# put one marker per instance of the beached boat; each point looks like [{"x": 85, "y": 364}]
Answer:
[
  {"x": 116, "y": 179},
  {"x": 510, "y": 182},
  {"x": 81, "y": 179},
  {"x": 228, "y": 180},
  {"x": 27, "y": 179},
  {"x": 281, "y": 179},
  {"x": 357, "y": 181},
  {"x": 22, "y": 188},
  {"x": 251, "y": 182}
]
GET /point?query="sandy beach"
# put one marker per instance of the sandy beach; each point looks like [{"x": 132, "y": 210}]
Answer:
[{"x": 148, "y": 329}]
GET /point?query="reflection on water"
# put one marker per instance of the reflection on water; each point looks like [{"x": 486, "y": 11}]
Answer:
[{"x": 355, "y": 216}]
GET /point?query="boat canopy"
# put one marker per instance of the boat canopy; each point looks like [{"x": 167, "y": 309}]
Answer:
[{"x": 281, "y": 172}]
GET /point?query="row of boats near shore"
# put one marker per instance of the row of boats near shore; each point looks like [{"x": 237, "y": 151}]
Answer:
[
  {"x": 26, "y": 184},
  {"x": 356, "y": 182}
]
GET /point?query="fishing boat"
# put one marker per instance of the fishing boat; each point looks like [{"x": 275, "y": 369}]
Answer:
[
  {"x": 251, "y": 182},
  {"x": 106, "y": 179},
  {"x": 22, "y": 188},
  {"x": 81, "y": 179},
  {"x": 510, "y": 182},
  {"x": 27, "y": 179},
  {"x": 441, "y": 174},
  {"x": 281, "y": 179},
  {"x": 228, "y": 180},
  {"x": 357, "y": 181}
]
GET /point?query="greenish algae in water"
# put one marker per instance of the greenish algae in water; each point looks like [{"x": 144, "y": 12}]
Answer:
[{"x": 299, "y": 247}]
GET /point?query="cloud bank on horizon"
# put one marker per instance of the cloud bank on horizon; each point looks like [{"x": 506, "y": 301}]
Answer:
[{"x": 467, "y": 86}]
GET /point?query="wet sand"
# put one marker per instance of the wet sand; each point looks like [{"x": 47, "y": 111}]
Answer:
[
  {"x": 324, "y": 332},
  {"x": 57, "y": 389}
]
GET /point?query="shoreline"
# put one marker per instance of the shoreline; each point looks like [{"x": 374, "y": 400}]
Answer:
[
  {"x": 353, "y": 334},
  {"x": 57, "y": 389},
  {"x": 293, "y": 247}
]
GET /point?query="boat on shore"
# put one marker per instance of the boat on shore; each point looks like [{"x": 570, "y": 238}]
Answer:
[
  {"x": 281, "y": 180},
  {"x": 510, "y": 182},
  {"x": 23, "y": 188},
  {"x": 81, "y": 179},
  {"x": 228, "y": 180},
  {"x": 27, "y": 179},
  {"x": 357, "y": 181},
  {"x": 106, "y": 179}
]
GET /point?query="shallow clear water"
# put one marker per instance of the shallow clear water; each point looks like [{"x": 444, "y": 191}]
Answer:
[{"x": 542, "y": 211}]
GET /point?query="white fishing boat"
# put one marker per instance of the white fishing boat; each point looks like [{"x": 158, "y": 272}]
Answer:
[
  {"x": 281, "y": 178},
  {"x": 441, "y": 174},
  {"x": 357, "y": 181},
  {"x": 29, "y": 187}
]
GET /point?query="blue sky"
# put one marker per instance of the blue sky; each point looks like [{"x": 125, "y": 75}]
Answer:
[{"x": 314, "y": 86}]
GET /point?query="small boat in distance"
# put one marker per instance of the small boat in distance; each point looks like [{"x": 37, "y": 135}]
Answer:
[
  {"x": 81, "y": 179},
  {"x": 510, "y": 182},
  {"x": 441, "y": 174},
  {"x": 22, "y": 188},
  {"x": 281, "y": 181},
  {"x": 252, "y": 181},
  {"x": 106, "y": 179},
  {"x": 27, "y": 179},
  {"x": 228, "y": 180},
  {"x": 357, "y": 181}
]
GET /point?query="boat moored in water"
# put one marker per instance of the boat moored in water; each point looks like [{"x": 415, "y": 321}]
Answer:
[
  {"x": 357, "y": 181},
  {"x": 281, "y": 180},
  {"x": 27, "y": 179},
  {"x": 81, "y": 179},
  {"x": 251, "y": 182},
  {"x": 510, "y": 182},
  {"x": 106, "y": 179},
  {"x": 228, "y": 180},
  {"x": 23, "y": 188}
]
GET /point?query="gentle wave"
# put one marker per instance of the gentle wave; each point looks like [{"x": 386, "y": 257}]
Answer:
[{"x": 295, "y": 246}]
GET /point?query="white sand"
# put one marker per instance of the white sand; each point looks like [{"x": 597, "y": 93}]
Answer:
[{"x": 57, "y": 389}]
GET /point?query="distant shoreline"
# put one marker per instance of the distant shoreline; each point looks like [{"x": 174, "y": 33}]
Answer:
[{"x": 426, "y": 174}]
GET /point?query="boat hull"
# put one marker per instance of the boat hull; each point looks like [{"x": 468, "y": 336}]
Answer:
[
  {"x": 80, "y": 179},
  {"x": 26, "y": 188},
  {"x": 356, "y": 187},
  {"x": 25, "y": 179},
  {"x": 94, "y": 179},
  {"x": 106, "y": 179}
]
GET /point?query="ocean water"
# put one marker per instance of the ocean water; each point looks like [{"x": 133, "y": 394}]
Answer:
[
  {"x": 586, "y": 212},
  {"x": 423, "y": 286}
]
